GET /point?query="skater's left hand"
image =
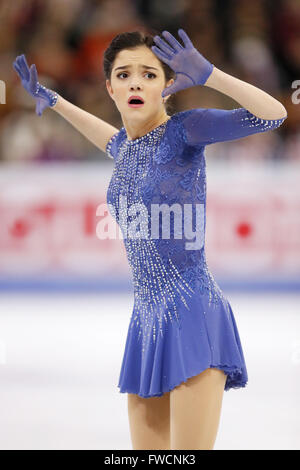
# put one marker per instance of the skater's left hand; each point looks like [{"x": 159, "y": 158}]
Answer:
[{"x": 190, "y": 66}]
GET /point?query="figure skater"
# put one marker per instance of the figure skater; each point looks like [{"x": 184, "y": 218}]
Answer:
[{"x": 183, "y": 347}]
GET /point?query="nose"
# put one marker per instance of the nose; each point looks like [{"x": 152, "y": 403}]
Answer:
[
  {"x": 134, "y": 83},
  {"x": 134, "y": 86}
]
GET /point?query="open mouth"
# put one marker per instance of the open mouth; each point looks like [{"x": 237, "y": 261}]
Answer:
[{"x": 135, "y": 102}]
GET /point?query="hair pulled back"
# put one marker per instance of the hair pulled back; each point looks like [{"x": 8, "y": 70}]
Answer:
[{"x": 131, "y": 40}]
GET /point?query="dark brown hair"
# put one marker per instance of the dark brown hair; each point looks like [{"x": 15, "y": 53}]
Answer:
[{"x": 130, "y": 40}]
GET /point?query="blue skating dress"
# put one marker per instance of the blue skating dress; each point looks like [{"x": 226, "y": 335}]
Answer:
[{"x": 181, "y": 323}]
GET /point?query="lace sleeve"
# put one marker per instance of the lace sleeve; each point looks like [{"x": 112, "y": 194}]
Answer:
[{"x": 207, "y": 126}]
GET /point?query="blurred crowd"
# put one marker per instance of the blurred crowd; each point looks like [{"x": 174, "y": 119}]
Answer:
[{"x": 257, "y": 41}]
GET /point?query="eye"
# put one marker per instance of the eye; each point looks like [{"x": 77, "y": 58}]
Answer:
[
  {"x": 147, "y": 73},
  {"x": 119, "y": 74},
  {"x": 150, "y": 73}
]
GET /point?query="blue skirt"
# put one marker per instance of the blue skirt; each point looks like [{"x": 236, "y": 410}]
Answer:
[{"x": 206, "y": 337}]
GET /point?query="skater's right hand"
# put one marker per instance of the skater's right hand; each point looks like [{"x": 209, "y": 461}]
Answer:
[{"x": 29, "y": 78}]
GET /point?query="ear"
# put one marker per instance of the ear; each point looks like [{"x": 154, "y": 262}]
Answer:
[
  {"x": 109, "y": 88},
  {"x": 169, "y": 83}
]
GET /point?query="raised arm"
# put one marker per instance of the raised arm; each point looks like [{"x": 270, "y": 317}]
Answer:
[
  {"x": 205, "y": 126},
  {"x": 93, "y": 128},
  {"x": 257, "y": 101},
  {"x": 260, "y": 111},
  {"x": 193, "y": 69}
]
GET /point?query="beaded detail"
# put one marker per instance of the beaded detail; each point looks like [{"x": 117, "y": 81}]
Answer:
[
  {"x": 166, "y": 167},
  {"x": 165, "y": 274},
  {"x": 52, "y": 95},
  {"x": 205, "y": 126},
  {"x": 110, "y": 143},
  {"x": 263, "y": 124}
]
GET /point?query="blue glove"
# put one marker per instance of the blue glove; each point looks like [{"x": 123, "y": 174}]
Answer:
[
  {"x": 43, "y": 96},
  {"x": 190, "y": 66}
]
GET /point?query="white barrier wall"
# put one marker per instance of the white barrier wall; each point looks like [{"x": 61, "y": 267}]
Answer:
[
  {"x": 48, "y": 224},
  {"x": 253, "y": 228}
]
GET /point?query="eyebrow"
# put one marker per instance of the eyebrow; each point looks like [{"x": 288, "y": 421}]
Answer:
[{"x": 129, "y": 66}]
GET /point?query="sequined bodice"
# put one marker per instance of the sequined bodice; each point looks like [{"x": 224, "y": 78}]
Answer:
[
  {"x": 155, "y": 170},
  {"x": 166, "y": 169}
]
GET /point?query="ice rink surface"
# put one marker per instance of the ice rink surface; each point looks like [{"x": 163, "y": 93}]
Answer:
[{"x": 60, "y": 358}]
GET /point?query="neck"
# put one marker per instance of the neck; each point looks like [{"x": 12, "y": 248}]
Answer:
[{"x": 134, "y": 129}]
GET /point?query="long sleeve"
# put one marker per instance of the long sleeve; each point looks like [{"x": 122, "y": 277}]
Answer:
[{"x": 207, "y": 126}]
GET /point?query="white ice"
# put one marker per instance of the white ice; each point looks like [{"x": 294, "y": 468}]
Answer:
[{"x": 60, "y": 358}]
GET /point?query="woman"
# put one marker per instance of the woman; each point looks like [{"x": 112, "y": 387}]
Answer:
[{"x": 183, "y": 347}]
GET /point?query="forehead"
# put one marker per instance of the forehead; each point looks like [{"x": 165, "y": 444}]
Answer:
[{"x": 139, "y": 55}]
